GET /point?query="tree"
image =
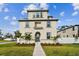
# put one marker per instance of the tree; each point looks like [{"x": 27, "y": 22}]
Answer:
[
  {"x": 1, "y": 38},
  {"x": 55, "y": 38},
  {"x": 17, "y": 34},
  {"x": 27, "y": 36},
  {"x": 8, "y": 35},
  {"x": 76, "y": 37}
]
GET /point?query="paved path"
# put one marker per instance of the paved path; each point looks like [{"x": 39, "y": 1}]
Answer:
[
  {"x": 5, "y": 42},
  {"x": 38, "y": 51}
]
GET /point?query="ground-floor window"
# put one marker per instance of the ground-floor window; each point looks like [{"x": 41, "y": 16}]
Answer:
[
  {"x": 67, "y": 36},
  {"x": 48, "y": 35},
  {"x": 73, "y": 35}
]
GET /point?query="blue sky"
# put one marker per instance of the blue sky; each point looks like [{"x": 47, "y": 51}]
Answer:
[{"x": 67, "y": 13}]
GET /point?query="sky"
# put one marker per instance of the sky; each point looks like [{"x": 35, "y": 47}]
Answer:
[{"x": 10, "y": 13}]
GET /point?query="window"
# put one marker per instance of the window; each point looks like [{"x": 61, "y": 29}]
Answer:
[
  {"x": 67, "y": 36},
  {"x": 48, "y": 24},
  {"x": 33, "y": 16},
  {"x": 48, "y": 35},
  {"x": 27, "y": 25},
  {"x": 38, "y": 22},
  {"x": 37, "y": 15},
  {"x": 73, "y": 35},
  {"x": 73, "y": 28}
]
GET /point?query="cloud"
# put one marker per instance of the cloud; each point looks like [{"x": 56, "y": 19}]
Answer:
[
  {"x": 0, "y": 9},
  {"x": 6, "y": 17},
  {"x": 62, "y": 13},
  {"x": 13, "y": 18},
  {"x": 29, "y": 7},
  {"x": 34, "y": 7},
  {"x": 43, "y": 6},
  {"x": 13, "y": 23},
  {"x": 54, "y": 6},
  {"x": 74, "y": 13},
  {"x": 6, "y": 10},
  {"x": 3, "y": 7},
  {"x": 75, "y": 6},
  {"x": 23, "y": 12},
  {"x": 59, "y": 21}
]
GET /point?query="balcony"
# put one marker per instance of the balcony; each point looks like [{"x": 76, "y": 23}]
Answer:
[{"x": 38, "y": 28}]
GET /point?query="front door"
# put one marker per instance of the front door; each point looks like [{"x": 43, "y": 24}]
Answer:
[{"x": 37, "y": 37}]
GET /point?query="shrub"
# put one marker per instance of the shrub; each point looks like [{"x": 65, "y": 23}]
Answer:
[{"x": 27, "y": 36}]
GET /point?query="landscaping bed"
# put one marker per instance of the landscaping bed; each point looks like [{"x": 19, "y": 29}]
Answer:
[
  {"x": 49, "y": 44},
  {"x": 61, "y": 50},
  {"x": 13, "y": 49}
]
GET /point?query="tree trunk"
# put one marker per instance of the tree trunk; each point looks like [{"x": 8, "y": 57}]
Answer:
[{"x": 18, "y": 40}]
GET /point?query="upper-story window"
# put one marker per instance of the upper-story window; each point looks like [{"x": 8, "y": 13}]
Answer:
[
  {"x": 48, "y": 24},
  {"x": 27, "y": 25},
  {"x": 38, "y": 15},
  {"x": 33, "y": 16}
]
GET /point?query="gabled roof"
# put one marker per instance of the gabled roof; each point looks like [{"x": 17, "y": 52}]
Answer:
[{"x": 67, "y": 28}]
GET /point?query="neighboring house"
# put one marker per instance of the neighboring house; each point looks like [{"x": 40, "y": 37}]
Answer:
[
  {"x": 39, "y": 24},
  {"x": 70, "y": 31}
]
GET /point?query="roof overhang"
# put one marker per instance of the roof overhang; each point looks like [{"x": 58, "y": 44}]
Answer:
[
  {"x": 38, "y": 20},
  {"x": 37, "y": 10}
]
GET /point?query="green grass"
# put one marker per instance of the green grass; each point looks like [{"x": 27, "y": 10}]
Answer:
[
  {"x": 12, "y": 49},
  {"x": 64, "y": 50}
]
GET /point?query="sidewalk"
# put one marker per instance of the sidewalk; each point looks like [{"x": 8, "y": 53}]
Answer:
[
  {"x": 5, "y": 42},
  {"x": 38, "y": 51}
]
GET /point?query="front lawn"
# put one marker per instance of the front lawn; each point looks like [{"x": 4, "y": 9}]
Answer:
[
  {"x": 11, "y": 49},
  {"x": 63, "y": 50}
]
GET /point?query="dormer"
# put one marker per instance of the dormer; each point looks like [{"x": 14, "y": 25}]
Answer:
[{"x": 37, "y": 14}]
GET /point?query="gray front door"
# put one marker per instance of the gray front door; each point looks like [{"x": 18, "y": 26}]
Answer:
[{"x": 37, "y": 36}]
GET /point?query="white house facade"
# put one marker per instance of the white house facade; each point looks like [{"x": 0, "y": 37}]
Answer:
[{"x": 39, "y": 24}]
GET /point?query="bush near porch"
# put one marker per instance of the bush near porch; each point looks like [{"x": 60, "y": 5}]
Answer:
[
  {"x": 12, "y": 49},
  {"x": 61, "y": 50}
]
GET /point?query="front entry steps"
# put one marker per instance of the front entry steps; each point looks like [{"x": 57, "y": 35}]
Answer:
[{"x": 38, "y": 51}]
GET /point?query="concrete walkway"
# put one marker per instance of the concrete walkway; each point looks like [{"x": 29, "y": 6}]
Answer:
[{"x": 38, "y": 51}]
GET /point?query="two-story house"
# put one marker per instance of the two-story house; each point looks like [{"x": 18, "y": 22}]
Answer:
[{"x": 39, "y": 24}]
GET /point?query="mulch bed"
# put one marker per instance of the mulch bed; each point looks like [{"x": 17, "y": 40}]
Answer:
[{"x": 33, "y": 44}]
